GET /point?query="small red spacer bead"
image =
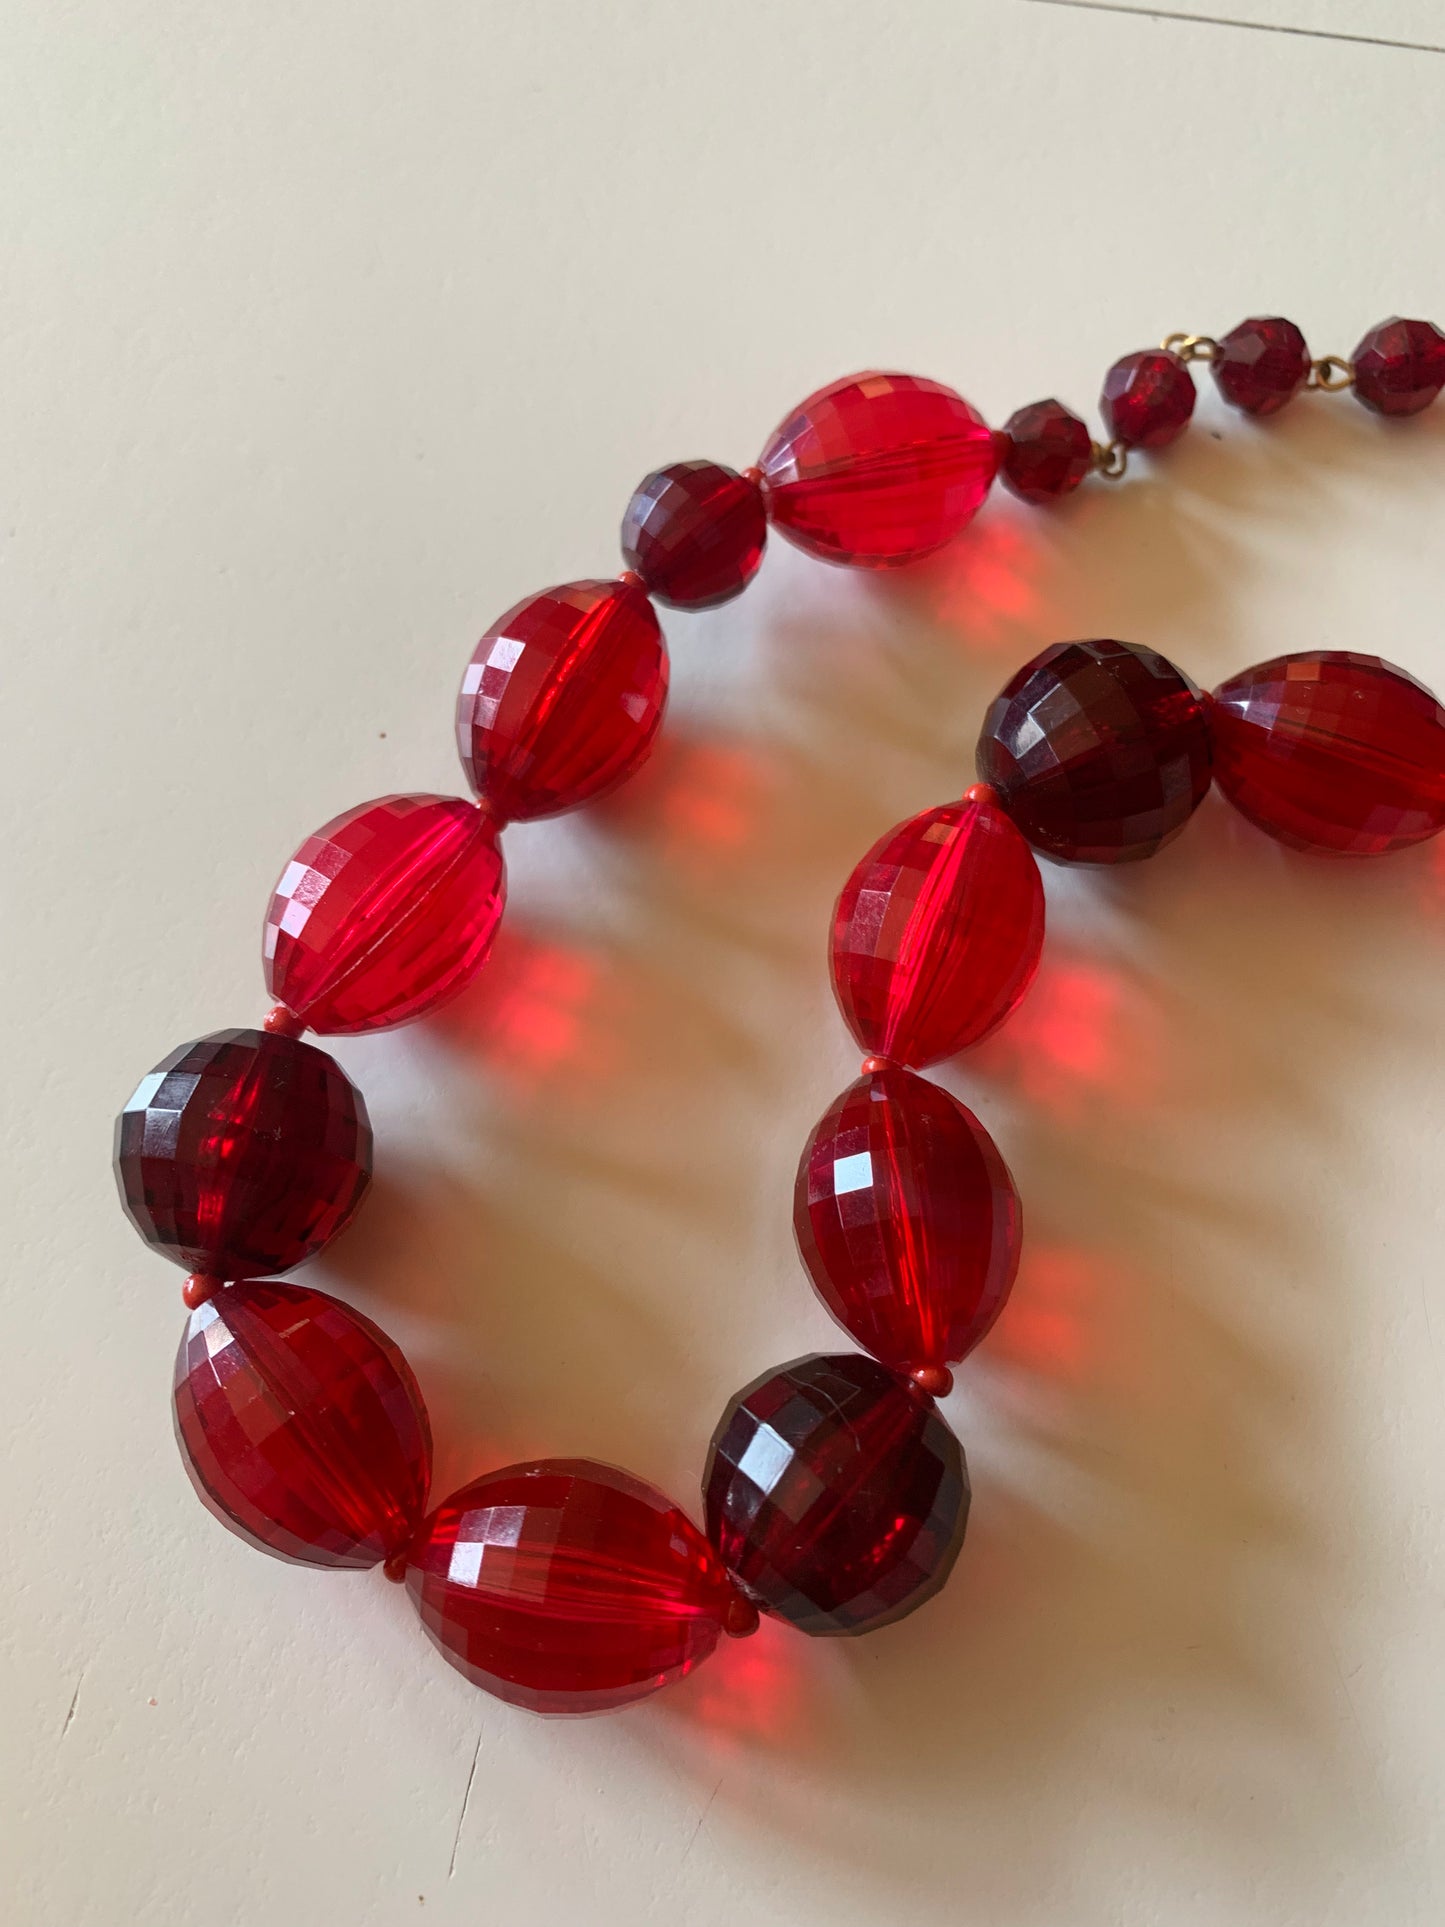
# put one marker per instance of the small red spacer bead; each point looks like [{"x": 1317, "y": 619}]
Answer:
[
  {"x": 934, "y": 1381},
  {"x": 871, "y": 1065},
  {"x": 981, "y": 793},
  {"x": 632, "y": 579},
  {"x": 282, "y": 1022},
  {"x": 395, "y": 1568},
  {"x": 742, "y": 1617},
  {"x": 199, "y": 1287},
  {"x": 754, "y": 475}
]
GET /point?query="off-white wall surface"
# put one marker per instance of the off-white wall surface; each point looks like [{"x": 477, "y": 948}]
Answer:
[{"x": 331, "y": 331}]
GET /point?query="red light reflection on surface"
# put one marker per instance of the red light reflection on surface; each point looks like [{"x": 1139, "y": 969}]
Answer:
[
  {"x": 542, "y": 1013},
  {"x": 986, "y": 586},
  {"x": 759, "y": 1688},
  {"x": 1052, "y": 1317},
  {"x": 701, "y": 802},
  {"x": 1083, "y": 1032}
]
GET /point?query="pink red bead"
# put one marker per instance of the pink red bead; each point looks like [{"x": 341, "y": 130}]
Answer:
[
  {"x": 836, "y": 1494},
  {"x": 878, "y": 470},
  {"x": 243, "y": 1153},
  {"x": 385, "y": 913},
  {"x": 1262, "y": 364},
  {"x": 1047, "y": 452},
  {"x": 1147, "y": 399},
  {"x": 562, "y": 698},
  {"x": 568, "y": 1587},
  {"x": 907, "y": 1220},
  {"x": 1099, "y": 751},
  {"x": 1332, "y": 752},
  {"x": 1400, "y": 366},
  {"x": 301, "y": 1425},
  {"x": 937, "y": 933},
  {"x": 694, "y": 533}
]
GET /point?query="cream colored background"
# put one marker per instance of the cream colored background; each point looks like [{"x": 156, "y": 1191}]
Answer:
[{"x": 332, "y": 330}]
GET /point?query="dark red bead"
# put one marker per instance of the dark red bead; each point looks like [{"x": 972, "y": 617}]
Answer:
[
  {"x": 1147, "y": 399},
  {"x": 907, "y": 1220},
  {"x": 243, "y": 1153},
  {"x": 1047, "y": 451},
  {"x": 878, "y": 470},
  {"x": 562, "y": 698},
  {"x": 1262, "y": 364},
  {"x": 385, "y": 913},
  {"x": 1400, "y": 366},
  {"x": 836, "y": 1494},
  {"x": 1332, "y": 752},
  {"x": 301, "y": 1425},
  {"x": 1098, "y": 750},
  {"x": 568, "y": 1587},
  {"x": 937, "y": 933},
  {"x": 694, "y": 532}
]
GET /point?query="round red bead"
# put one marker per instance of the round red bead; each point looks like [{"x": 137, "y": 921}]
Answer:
[
  {"x": 385, "y": 913},
  {"x": 836, "y": 1495},
  {"x": 878, "y": 469},
  {"x": 567, "y": 1587},
  {"x": 1262, "y": 364},
  {"x": 562, "y": 698},
  {"x": 1332, "y": 752},
  {"x": 1047, "y": 451},
  {"x": 1400, "y": 366},
  {"x": 694, "y": 533},
  {"x": 1147, "y": 399},
  {"x": 301, "y": 1425},
  {"x": 1098, "y": 750},
  {"x": 243, "y": 1153},
  {"x": 937, "y": 933},
  {"x": 907, "y": 1220}
]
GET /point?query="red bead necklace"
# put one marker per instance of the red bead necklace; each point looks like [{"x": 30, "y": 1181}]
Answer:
[{"x": 835, "y": 1494}]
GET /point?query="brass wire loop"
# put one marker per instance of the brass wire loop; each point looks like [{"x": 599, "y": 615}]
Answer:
[
  {"x": 1111, "y": 459},
  {"x": 1331, "y": 373},
  {"x": 1191, "y": 347}
]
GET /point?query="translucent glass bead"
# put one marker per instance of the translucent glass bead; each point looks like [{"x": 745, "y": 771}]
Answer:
[
  {"x": 695, "y": 533},
  {"x": 1261, "y": 364},
  {"x": 1400, "y": 366},
  {"x": 1147, "y": 399},
  {"x": 385, "y": 913},
  {"x": 937, "y": 933},
  {"x": 301, "y": 1425},
  {"x": 836, "y": 1494},
  {"x": 1047, "y": 452}
]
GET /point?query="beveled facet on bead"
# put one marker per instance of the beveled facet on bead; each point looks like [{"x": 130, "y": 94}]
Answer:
[
  {"x": 385, "y": 913},
  {"x": 907, "y": 1220},
  {"x": 562, "y": 698},
  {"x": 1099, "y": 751},
  {"x": 568, "y": 1587},
  {"x": 836, "y": 1494},
  {"x": 243, "y": 1153},
  {"x": 878, "y": 470},
  {"x": 301, "y": 1426},
  {"x": 1332, "y": 752},
  {"x": 1047, "y": 452},
  {"x": 1261, "y": 364},
  {"x": 1147, "y": 399},
  {"x": 937, "y": 933},
  {"x": 1400, "y": 366},
  {"x": 694, "y": 532}
]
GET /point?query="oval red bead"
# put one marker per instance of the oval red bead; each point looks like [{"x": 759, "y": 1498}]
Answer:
[
  {"x": 1047, "y": 451},
  {"x": 1261, "y": 364},
  {"x": 1147, "y": 399},
  {"x": 385, "y": 913},
  {"x": 836, "y": 1494},
  {"x": 1099, "y": 751},
  {"x": 907, "y": 1220},
  {"x": 695, "y": 533},
  {"x": 301, "y": 1426},
  {"x": 567, "y": 1587},
  {"x": 562, "y": 698},
  {"x": 1332, "y": 752},
  {"x": 937, "y": 933},
  {"x": 243, "y": 1153},
  {"x": 878, "y": 469},
  {"x": 1400, "y": 366}
]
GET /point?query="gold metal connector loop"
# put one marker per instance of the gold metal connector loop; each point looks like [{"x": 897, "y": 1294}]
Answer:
[
  {"x": 1191, "y": 347},
  {"x": 1331, "y": 373},
  {"x": 1111, "y": 459}
]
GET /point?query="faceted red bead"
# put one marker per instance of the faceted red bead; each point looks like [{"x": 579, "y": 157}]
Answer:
[
  {"x": 878, "y": 470},
  {"x": 301, "y": 1425},
  {"x": 562, "y": 698},
  {"x": 1400, "y": 366},
  {"x": 385, "y": 913},
  {"x": 907, "y": 1220},
  {"x": 243, "y": 1153},
  {"x": 1262, "y": 364},
  {"x": 1332, "y": 752},
  {"x": 937, "y": 933},
  {"x": 567, "y": 1587},
  {"x": 1098, "y": 750},
  {"x": 1147, "y": 399},
  {"x": 1047, "y": 451},
  {"x": 836, "y": 1494},
  {"x": 695, "y": 533}
]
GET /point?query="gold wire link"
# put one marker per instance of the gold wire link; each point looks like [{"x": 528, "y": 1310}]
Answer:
[
  {"x": 1331, "y": 373},
  {"x": 1110, "y": 459},
  {"x": 1191, "y": 347}
]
